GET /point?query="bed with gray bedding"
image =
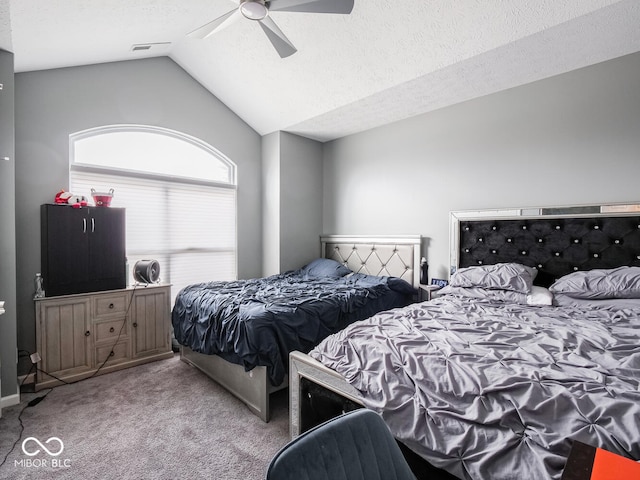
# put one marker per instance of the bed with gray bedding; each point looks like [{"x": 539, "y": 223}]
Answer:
[
  {"x": 534, "y": 344},
  {"x": 488, "y": 389}
]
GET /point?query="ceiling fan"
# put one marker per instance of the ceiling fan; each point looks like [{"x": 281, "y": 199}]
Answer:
[{"x": 258, "y": 11}]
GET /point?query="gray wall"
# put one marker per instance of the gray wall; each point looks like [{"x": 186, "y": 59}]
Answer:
[
  {"x": 7, "y": 229},
  {"x": 292, "y": 201},
  {"x": 54, "y": 103},
  {"x": 271, "y": 204},
  {"x": 570, "y": 139},
  {"x": 300, "y": 200}
]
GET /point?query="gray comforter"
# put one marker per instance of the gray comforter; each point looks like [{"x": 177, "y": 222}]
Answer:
[{"x": 489, "y": 390}]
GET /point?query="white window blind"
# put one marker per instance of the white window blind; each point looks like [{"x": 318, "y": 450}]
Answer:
[{"x": 189, "y": 228}]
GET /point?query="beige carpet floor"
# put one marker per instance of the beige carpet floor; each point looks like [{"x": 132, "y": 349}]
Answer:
[{"x": 162, "y": 420}]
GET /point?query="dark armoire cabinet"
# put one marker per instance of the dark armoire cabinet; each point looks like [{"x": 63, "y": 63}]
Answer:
[{"x": 83, "y": 249}]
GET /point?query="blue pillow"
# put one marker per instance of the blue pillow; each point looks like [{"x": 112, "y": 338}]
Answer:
[{"x": 325, "y": 267}]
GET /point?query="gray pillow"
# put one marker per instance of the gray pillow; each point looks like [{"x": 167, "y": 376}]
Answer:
[
  {"x": 491, "y": 294},
  {"x": 324, "y": 267},
  {"x": 606, "y": 303},
  {"x": 501, "y": 276},
  {"x": 621, "y": 282}
]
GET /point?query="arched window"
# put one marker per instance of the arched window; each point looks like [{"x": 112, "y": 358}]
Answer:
[{"x": 179, "y": 194}]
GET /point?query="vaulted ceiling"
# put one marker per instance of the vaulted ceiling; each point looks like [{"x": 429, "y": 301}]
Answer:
[{"x": 386, "y": 61}]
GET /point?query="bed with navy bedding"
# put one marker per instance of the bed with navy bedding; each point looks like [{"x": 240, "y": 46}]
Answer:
[
  {"x": 257, "y": 322},
  {"x": 534, "y": 344},
  {"x": 240, "y": 333}
]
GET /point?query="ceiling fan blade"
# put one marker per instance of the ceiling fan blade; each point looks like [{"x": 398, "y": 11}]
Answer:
[
  {"x": 215, "y": 25},
  {"x": 312, "y": 6},
  {"x": 278, "y": 39}
]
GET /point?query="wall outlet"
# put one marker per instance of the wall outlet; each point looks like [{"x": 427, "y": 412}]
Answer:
[{"x": 35, "y": 357}]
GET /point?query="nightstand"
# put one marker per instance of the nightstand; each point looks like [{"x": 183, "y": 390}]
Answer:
[{"x": 427, "y": 292}]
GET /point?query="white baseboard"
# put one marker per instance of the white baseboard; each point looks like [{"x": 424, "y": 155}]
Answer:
[{"x": 10, "y": 400}]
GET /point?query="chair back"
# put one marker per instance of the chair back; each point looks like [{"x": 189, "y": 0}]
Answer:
[{"x": 354, "y": 446}]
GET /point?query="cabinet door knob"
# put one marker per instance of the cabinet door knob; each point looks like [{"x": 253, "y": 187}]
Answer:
[
  {"x": 111, "y": 330},
  {"x": 135, "y": 325},
  {"x": 111, "y": 305},
  {"x": 87, "y": 333}
]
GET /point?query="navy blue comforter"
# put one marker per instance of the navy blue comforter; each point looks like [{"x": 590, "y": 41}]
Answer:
[{"x": 259, "y": 321}]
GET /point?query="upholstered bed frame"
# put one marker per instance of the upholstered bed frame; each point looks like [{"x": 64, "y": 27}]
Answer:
[
  {"x": 388, "y": 256},
  {"x": 556, "y": 241},
  {"x": 397, "y": 256}
]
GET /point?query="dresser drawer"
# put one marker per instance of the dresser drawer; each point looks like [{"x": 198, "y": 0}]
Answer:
[
  {"x": 110, "y": 305},
  {"x": 109, "y": 330},
  {"x": 120, "y": 353}
]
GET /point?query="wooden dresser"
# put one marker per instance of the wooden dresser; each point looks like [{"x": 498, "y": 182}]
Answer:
[{"x": 77, "y": 334}]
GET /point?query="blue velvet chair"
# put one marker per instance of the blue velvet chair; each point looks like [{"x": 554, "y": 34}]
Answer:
[{"x": 354, "y": 446}]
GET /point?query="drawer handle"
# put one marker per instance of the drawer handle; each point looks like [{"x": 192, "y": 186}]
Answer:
[
  {"x": 111, "y": 306},
  {"x": 87, "y": 333},
  {"x": 111, "y": 330},
  {"x": 135, "y": 325}
]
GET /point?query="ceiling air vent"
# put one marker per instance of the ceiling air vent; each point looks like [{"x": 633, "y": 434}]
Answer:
[{"x": 144, "y": 47}]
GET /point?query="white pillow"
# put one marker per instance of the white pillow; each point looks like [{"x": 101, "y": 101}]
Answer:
[{"x": 539, "y": 296}]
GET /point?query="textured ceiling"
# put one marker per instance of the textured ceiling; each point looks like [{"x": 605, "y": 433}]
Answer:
[
  {"x": 5, "y": 26},
  {"x": 386, "y": 61}
]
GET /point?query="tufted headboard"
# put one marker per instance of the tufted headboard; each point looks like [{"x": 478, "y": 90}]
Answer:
[
  {"x": 394, "y": 256},
  {"x": 556, "y": 241}
]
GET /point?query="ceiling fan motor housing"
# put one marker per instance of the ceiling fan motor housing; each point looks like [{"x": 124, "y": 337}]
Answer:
[{"x": 254, "y": 9}]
